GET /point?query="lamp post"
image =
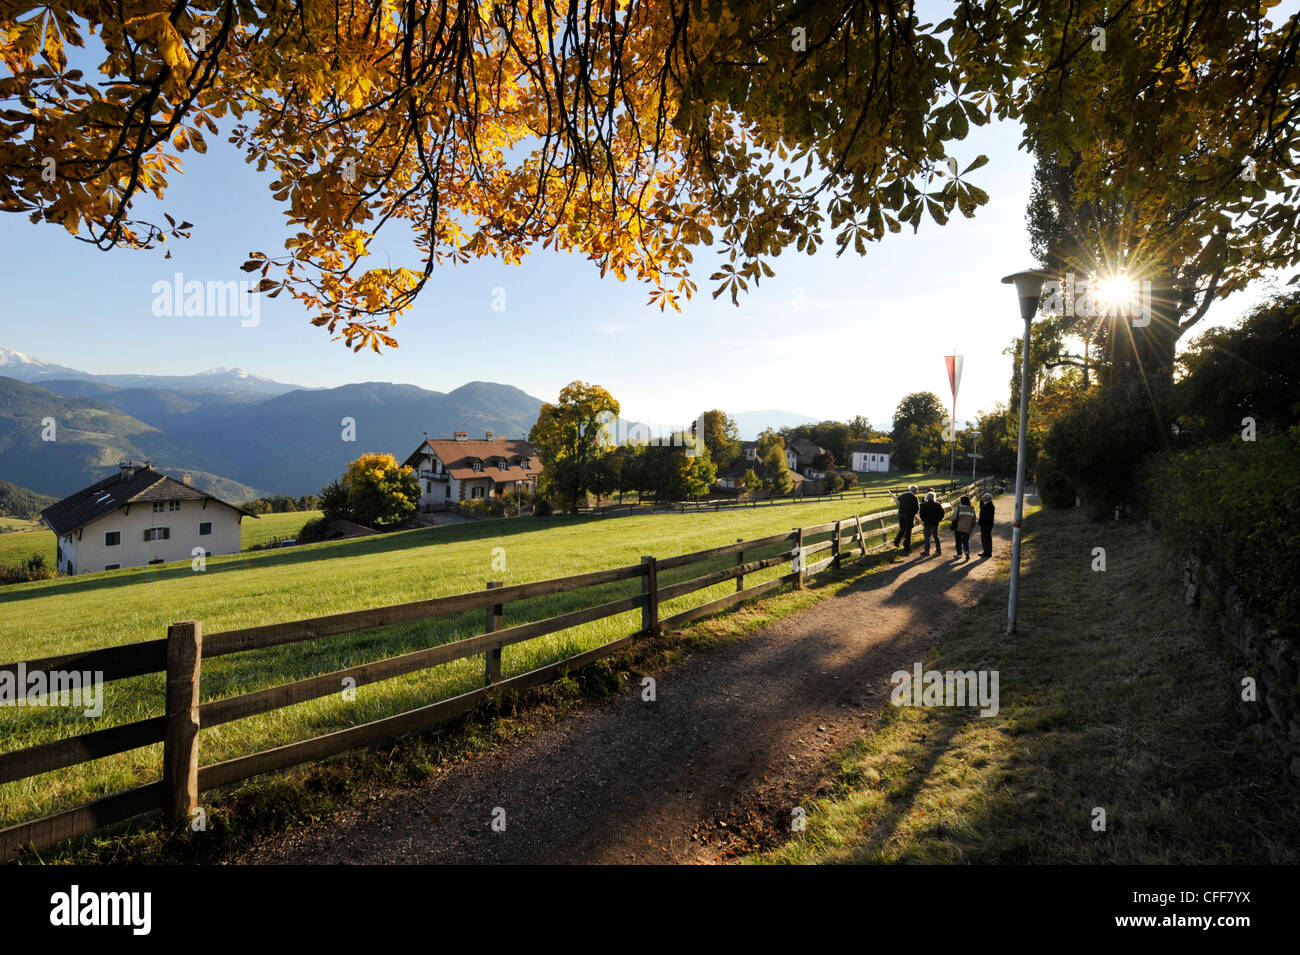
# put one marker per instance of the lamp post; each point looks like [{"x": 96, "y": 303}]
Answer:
[{"x": 1029, "y": 288}]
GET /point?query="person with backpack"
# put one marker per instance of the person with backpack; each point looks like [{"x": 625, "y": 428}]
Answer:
[
  {"x": 986, "y": 525},
  {"x": 908, "y": 505},
  {"x": 931, "y": 514},
  {"x": 963, "y": 522}
]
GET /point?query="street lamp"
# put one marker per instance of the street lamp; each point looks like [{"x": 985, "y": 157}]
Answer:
[{"x": 1029, "y": 288}]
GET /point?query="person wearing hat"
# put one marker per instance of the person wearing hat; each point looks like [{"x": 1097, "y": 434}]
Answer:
[
  {"x": 931, "y": 515},
  {"x": 986, "y": 524}
]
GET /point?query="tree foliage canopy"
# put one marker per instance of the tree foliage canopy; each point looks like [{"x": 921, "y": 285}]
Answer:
[{"x": 633, "y": 132}]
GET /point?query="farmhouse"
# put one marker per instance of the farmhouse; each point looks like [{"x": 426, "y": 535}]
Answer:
[
  {"x": 806, "y": 454},
  {"x": 139, "y": 516},
  {"x": 460, "y": 469},
  {"x": 870, "y": 456},
  {"x": 749, "y": 452},
  {"x": 732, "y": 477}
]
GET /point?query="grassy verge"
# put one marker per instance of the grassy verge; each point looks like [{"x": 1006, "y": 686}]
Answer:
[
  {"x": 240, "y": 814},
  {"x": 1112, "y": 696}
]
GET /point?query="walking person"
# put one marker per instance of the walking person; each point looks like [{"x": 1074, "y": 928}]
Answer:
[
  {"x": 931, "y": 514},
  {"x": 986, "y": 524},
  {"x": 963, "y": 522},
  {"x": 908, "y": 505}
]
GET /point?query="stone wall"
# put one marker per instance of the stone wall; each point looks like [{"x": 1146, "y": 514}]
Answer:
[{"x": 1255, "y": 649}]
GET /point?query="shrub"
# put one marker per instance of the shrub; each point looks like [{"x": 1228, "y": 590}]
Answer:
[
  {"x": 34, "y": 568},
  {"x": 1100, "y": 441},
  {"x": 1055, "y": 489},
  {"x": 316, "y": 529},
  {"x": 1232, "y": 504}
]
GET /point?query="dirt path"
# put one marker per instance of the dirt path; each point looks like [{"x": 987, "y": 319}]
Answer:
[{"x": 714, "y": 767}]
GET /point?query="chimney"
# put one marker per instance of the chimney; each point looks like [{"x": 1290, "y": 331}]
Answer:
[
  {"x": 460, "y": 435},
  {"x": 488, "y": 436},
  {"x": 187, "y": 479},
  {"x": 125, "y": 470}
]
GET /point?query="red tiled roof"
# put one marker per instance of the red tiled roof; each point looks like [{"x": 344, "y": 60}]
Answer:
[{"x": 458, "y": 458}]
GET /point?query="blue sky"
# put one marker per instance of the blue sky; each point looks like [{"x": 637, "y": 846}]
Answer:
[{"x": 872, "y": 328}]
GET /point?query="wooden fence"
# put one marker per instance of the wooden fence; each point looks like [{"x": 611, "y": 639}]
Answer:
[{"x": 181, "y": 653}]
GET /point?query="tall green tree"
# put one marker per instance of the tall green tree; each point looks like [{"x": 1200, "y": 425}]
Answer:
[
  {"x": 722, "y": 438},
  {"x": 771, "y": 458},
  {"x": 1248, "y": 372},
  {"x": 570, "y": 437}
]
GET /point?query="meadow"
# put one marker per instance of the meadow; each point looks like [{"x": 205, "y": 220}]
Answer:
[{"x": 70, "y": 614}]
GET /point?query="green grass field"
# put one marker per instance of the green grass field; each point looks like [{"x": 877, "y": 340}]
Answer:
[{"x": 95, "y": 610}]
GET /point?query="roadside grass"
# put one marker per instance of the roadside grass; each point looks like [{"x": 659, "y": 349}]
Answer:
[
  {"x": 71, "y": 614},
  {"x": 1112, "y": 696},
  {"x": 238, "y": 815}
]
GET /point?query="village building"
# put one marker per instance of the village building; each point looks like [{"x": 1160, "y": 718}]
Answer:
[
  {"x": 730, "y": 478},
  {"x": 140, "y": 516},
  {"x": 870, "y": 456},
  {"x": 460, "y": 469}
]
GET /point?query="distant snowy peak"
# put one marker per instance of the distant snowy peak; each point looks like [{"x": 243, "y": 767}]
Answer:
[{"x": 10, "y": 357}]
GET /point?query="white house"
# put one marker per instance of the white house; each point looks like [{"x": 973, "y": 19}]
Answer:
[
  {"x": 749, "y": 451},
  {"x": 870, "y": 456},
  {"x": 461, "y": 469},
  {"x": 139, "y": 517}
]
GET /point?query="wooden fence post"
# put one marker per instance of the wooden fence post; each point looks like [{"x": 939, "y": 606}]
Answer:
[
  {"x": 803, "y": 562},
  {"x": 181, "y": 740},
  {"x": 492, "y": 658},
  {"x": 835, "y": 547},
  {"x": 740, "y": 562},
  {"x": 650, "y": 587}
]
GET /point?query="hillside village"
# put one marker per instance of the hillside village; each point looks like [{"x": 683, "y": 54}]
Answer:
[{"x": 133, "y": 515}]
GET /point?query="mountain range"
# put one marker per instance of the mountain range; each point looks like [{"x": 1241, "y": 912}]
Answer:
[{"x": 239, "y": 435}]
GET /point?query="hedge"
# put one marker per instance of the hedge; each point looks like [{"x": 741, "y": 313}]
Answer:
[{"x": 1235, "y": 505}]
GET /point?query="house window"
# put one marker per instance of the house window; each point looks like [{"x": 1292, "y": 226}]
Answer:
[
  {"x": 112, "y": 566},
  {"x": 475, "y": 492},
  {"x": 158, "y": 534},
  {"x": 505, "y": 465},
  {"x": 205, "y": 528},
  {"x": 478, "y": 466},
  {"x": 446, "y": 491},
  {"x": 159, "y": 506},
  {"x": 112, "y": 539},
  {"x": 59, "y": 557},
  {"x": 524, "y": 463},
  {"x": 173, "y": 505}
]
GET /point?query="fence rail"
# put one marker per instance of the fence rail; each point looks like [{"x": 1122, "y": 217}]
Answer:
[{"x": 181, "y": 654}]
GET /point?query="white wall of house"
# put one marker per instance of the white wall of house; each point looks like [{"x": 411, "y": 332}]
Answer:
[
  {"x": 87, "y": 550},
  {"x": 870, "y": 461}
]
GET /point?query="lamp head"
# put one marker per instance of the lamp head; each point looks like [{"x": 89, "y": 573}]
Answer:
[{"x": 1029, "y": 289}]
